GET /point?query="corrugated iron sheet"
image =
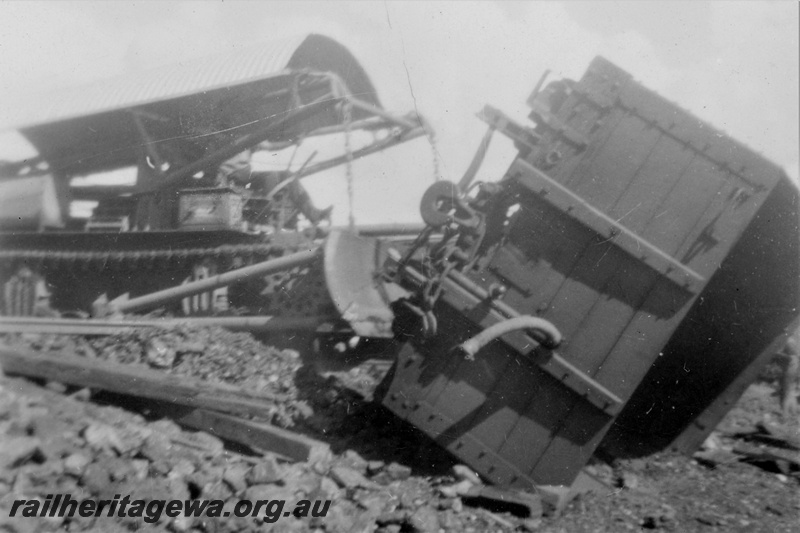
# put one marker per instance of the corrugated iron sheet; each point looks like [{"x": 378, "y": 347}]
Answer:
[
  {"x": 172, "y": 81},
  {"x": 90, "y": 129}
]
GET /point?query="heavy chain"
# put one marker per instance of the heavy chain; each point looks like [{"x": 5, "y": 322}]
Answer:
[
  {"x": 434, "y": 153},
  {"x": 347, "y": 112}
]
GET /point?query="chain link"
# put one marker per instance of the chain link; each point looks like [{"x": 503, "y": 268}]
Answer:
[
  {"x": 347, "y": 112},
  {"x": 434, "y": 154}
]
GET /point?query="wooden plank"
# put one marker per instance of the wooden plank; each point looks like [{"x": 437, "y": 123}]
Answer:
[
  {"x": 414, "y": 376},
  {"x": 551, "y": 244},
  {"x": 566, "y": 240},
  {"x": 641, "y": 342},
  {"x": 626, "y": 151},
  {"x": 719, "y": 229},
  {"x": 578, "y": 382},
  {"x": 574, "y": 165},
  {"x": 258, "y": 436},
  {"x": 448, "y": 364},
  {"x": 645, "y": 251},
  {"x": 483, "y": 412},
  {"x": 583, "y": 426},
  {"x": 624, "y": 292},
  {"x": 580, "y": 293},
  {"x": 466, "y": 392},
  {"x": 473, "y": 308},
  {"x": 136, "y": 381},
  {"x": 495, "y": 423},
  {"x": 572, "y": 445},
  {"x": 488, "y": 464},
  {"x": 623, "y": 368},
  {"x": 607, "y": 327},
  {"x": 639, "y": 204},
  {"x": 534, "y": 429},
  {"x": 681, "y": 210},
  {"x": 550, "y": 362},
  {"x": 713, "y": 144},
  {"x": 505, "y": 404}
]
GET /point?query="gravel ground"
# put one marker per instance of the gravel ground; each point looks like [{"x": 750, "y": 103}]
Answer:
[{"x": 383, "y": 475}]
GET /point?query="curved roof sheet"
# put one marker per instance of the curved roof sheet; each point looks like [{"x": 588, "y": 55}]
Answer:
[
  {"x": 91, "y": 128},
  {"x": 202, "y": 74}
]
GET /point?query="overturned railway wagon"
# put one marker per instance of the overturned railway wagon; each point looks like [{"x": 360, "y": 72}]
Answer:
[{"x": 615, "y": 291}]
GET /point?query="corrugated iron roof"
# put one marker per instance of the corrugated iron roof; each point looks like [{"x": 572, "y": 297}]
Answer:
[
  {"x": 173, "y": 81},
  {"x": 90, "y": 128}
]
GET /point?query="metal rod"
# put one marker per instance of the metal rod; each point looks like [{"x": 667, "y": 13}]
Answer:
[
  {"x": 220, "y": 280},
  {"x": 477, "y": 160},
  {"x": 74, "y": 326},
  {"x": 458, "y": 281},
  {"x": 98, "y": 192},
  {"x": 373, "y": 110},
  {"x": 410, "y": 229},
  {"x": 367, "y": 124},
  {"x": 149, "y": 144},
  {"x": 538, "y": 87}
]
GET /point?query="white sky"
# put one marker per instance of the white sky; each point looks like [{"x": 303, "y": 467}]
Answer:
[{"x": 733, "y": 64}]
